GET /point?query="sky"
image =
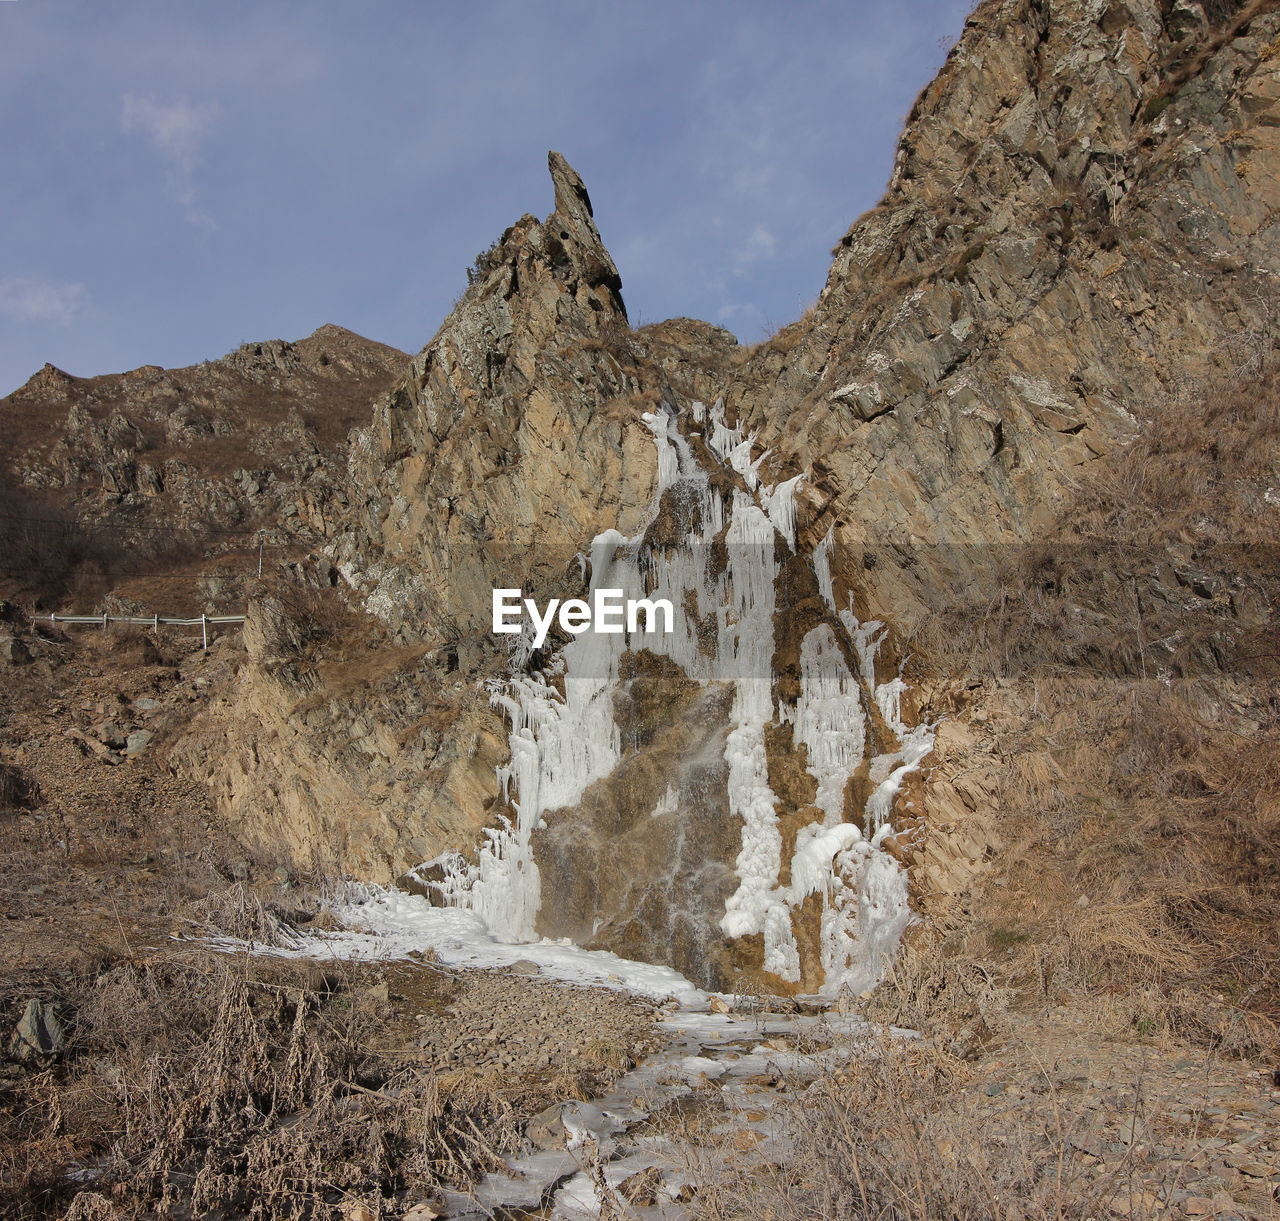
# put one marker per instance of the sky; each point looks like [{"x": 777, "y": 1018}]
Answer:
[{"x": 181, "y": 178}]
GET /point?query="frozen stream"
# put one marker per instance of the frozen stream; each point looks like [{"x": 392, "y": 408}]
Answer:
[{"x": 732, "y": 1062}]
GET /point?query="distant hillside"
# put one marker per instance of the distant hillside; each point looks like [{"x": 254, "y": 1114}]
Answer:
[{"x": 108, "y": 478}]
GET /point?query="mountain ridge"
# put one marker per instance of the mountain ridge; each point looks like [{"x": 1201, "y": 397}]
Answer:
[{"x": 1074, "y": 228}]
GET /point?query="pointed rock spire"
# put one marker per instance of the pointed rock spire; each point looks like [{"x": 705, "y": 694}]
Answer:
[
  {"x": 571, "y": 191},
  {"x": 573, "y": 223}
]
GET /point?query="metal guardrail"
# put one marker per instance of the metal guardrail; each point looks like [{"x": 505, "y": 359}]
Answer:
[{"x": 151, "y": 621}]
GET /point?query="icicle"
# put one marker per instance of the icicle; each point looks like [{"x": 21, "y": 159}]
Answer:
[
  {"x": 661, "y": 424},
  {"x": 668, "y": 803},
  {"x": 722, "y": 438},
  {"x": 780, "y": 504},
  {"x": 822, "y": 568},
  {"x": 828, "y": 718}
]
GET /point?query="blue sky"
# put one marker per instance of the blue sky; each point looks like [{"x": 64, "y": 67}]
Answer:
[{"x": 184, "y": 177}]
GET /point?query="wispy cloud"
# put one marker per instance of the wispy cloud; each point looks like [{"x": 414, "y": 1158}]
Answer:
[
  {"x": 760, "y": 244},
  {"x": 175, "y": 129},
  {"x": 35, "y": 299}
]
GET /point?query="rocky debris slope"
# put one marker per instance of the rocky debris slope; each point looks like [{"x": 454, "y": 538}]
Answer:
[
  {"x": 536, "y": 1027},
  {"x": 100, "y": 843}
]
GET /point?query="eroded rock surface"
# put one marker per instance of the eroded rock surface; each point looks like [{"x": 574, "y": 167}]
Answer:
[{"x": 1080, "y": 221}]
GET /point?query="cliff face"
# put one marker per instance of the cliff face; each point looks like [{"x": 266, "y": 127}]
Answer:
[{"x": 1079, "y": 223}]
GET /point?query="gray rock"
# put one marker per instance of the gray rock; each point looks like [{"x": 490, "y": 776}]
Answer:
[
  {"x": 137, "y": 742},
  {"x": 39, "y": 1032},
  {"x": 545, "y": 1130},
  {"x": 110, "y": 734}
]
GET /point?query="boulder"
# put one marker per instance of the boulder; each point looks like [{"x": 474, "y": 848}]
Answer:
[{"x": 39, "y": 1034}]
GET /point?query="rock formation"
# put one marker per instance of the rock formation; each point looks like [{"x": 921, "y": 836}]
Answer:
[
  {"x": 213, "y": 452},
  {"x": 1079, "y": 221}
]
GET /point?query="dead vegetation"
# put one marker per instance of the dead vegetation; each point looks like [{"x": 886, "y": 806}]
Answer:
[
  {"x": 1147, "y": 837},
  {"x": 18, "y": 791},
  {"x": 1129, "y": 678},
  {"x": 229, "y": 1086},
  {"x": 908, "y": 1132}
]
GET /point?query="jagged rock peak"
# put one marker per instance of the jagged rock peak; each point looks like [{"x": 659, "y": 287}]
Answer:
[
  {"x": 571, "y": 191},
  {"x": 48, "y": 378},
  {"x": 573, "y": 221}
]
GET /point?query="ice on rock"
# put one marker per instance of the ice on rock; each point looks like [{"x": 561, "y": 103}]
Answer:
[
  {"x": 661, "y": 425},
  {"x": 780, "y": 505},
  {"x": 562, "y": 742},
  {"x": 668, "y": 803},
  {"x": 822, "y": 569},
  {"x": 828, "y": 718},
  {"x": 862, "y": 929}
]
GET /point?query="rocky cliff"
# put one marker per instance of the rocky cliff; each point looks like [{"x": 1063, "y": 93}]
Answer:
[
  {"x": 130, "y": 463},
  {"x": 1080, "y": 224}
]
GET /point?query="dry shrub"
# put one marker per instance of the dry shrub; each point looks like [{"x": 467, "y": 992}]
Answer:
[
  {"x": 18, "y": 790},
  {"x": 932, "y": 988},
  {"x": 295, "y": 619},
  {"x": 320, "y": 615},
  {"x": 239, "y": 911},
  {"x": 1150, "y": 838},
  {"x": 90, "y": 1206},
  {"x": 1132, "y": 671},
  {"x": 53, "y": 557},
  {"x": 200, "y": 1091},
  {"x": 899, "y": 1133},
  {"x": 44, "y": 550}
]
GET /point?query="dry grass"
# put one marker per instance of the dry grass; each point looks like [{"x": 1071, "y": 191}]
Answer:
[
  {"x": 986, "y": 1115},
  {"x": 1147, "y": 856},
  {"x": 948, "y": 996},
  {"x": 317, "y": 623},
  {"x": 781, "y": 340},
  {"x": 902, "y": 1134},
  {"x": 1132, "y": 672},
  {"x": 207, "y": 1089}
]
